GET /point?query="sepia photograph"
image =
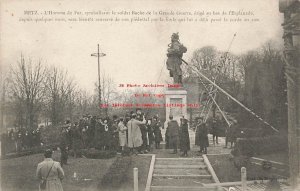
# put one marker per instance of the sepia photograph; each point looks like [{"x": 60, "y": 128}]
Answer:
[{"x": 149, "y": 95}]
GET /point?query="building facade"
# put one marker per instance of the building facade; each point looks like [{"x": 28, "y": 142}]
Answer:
[{"x": 291, "y": 27}]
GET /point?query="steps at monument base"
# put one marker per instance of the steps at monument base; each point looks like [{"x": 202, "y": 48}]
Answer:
[
  {"x": 176, "y": 188},
  {"x": 179, "y": 162},
  {"x": 182, "y": 176},
  {"x": 181, "y": 171},
  {"x": 180, "y": 167}
]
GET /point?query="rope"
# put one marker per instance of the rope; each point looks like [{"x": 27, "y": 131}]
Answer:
[
  {"x": 231, "y": 43},
  {"x": 222, "y": 62},
  {"x": 230, "y": 96},
  {"x": 207, "y": 101},
  {"x": 158, "y": 78},
  {"x": 224, "y": 116},
  {"x": 209, "y": 107}
]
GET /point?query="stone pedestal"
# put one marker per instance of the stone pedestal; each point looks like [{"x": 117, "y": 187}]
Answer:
[{"x": 176, "y": 103}]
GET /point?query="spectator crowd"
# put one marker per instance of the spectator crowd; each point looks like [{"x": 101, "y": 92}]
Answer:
[{"x": 132, "y": 133}]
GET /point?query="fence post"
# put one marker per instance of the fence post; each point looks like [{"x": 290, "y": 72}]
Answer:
[
  {"x": 244, "y": 178},
  {"x": 135, "y": 180}
]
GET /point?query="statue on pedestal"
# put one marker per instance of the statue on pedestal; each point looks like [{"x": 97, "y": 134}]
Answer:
[{"x": 175, "y": 53}]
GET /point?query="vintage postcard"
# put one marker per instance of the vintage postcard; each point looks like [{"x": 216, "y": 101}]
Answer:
[{"x": 157, "y": 95}]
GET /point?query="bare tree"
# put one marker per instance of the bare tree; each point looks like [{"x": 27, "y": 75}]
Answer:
[
  {"x": 108, "y": 91},
  {"x": 60, "y": 94},
  {"x": 27, "y": 89}
]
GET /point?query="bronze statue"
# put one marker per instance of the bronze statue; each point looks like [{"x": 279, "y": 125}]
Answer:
[{"x": 175, "y": 53}]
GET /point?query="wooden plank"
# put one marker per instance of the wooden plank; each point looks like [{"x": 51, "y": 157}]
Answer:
[
  {"x": 240, "y": 183},
  {"x": 210, "y": 169},
  {"x": 274, "y": 162},
  {"x": 151, "y": 169}
]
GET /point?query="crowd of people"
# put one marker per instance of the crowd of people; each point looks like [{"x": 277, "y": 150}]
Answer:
[
  {"x": 16, "y": 140},
  {"x": 177, "y": 134},
  {"x": 134, "y": 131}
]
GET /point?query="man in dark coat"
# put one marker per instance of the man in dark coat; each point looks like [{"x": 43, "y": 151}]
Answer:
[
  {"x": 201, "y": 138},
  {"x": 150, "y": 134},
  {"x": 91, "y": 130},
  {"x": 107, "y": 134},
  {"x": 115, "y": 134},
  {"x": 173, "y": 134},
  {"x": 157, "y": 132},
  {"x": 76, "y": 140},
  {"x": 140, "y": 116},
  {"x": 99, "y": 135},
  {"x": 184, "y": 137},
  {"x": 215, "y": 130},
  {"x": 232, "y": 133},
  {"x": 64, "y": 146}
]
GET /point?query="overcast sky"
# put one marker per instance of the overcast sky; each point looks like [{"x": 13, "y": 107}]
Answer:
[{"x": 136, "y": 53}]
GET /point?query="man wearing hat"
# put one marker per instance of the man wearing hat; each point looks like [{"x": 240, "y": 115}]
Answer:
[
  {"x": 140, "y": 117},
  {"x": 175, "y": 53},
  {"x": 173, "y": 134},
  {"x": 201, "y": 138},
  {"x": 184, "y": 137},
  {"x": 50, "y": 172},
  {"x": 64, "y": 143}
]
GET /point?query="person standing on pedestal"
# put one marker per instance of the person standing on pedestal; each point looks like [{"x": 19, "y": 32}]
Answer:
[
  {"x": 173, "y": 134},
  {"x": 175, "y": 53}
]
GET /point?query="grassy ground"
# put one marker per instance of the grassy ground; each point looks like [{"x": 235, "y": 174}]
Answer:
[
  {"x": 227, "y": 172},
  {"x": 19, "y": 173},
  {"x": 143, "y": 164}
]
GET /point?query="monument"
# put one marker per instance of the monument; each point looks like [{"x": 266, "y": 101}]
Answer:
[{"x": 176, "y": 95}]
